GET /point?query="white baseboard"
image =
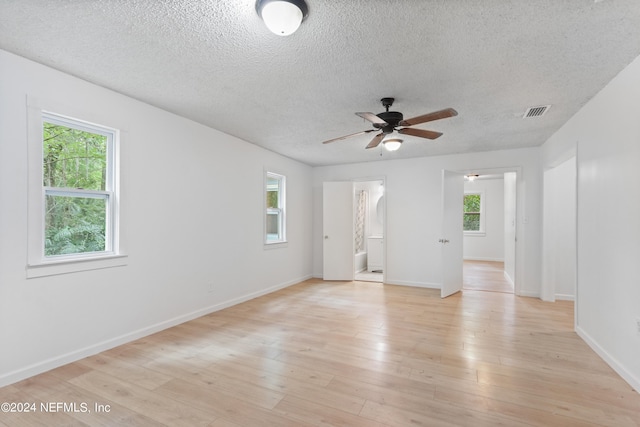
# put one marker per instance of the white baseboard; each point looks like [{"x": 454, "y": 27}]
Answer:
[
  {"x": 508, "y": 278},
  {"x": 55, "y": 362},
  {"x": 565, "y": 297},
  {"x": 414, "y": 284},
  {"x": 470, "y": 258},
  {"x": 527, "y": 293},
  {"x": 400, "y": 283},
  {"x": 610, "y": 360}
]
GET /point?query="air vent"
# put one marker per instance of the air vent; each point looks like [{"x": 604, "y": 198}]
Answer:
[{"x": 536, "y": 111}]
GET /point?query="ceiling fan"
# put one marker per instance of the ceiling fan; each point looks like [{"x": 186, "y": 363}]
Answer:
[{"x": 389, "y": 121}]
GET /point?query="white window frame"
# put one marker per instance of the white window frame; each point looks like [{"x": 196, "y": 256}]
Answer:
[
  {"x": 482, "y": 231},
  {"x": 39, "y": 265},
  {"x": 280, "y": 210}
]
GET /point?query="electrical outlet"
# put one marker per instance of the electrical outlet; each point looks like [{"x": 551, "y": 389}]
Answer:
[
  {"x": 638, "y": 323},
  {"x": 211, "y": 288}
]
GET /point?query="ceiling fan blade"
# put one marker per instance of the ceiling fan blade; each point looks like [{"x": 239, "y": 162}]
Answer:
[
  {"x": 348, "y": 136},
  {"x": 422, "y": 133},
  {"x": 372, "y": 118},
  {"x": 375, "y": 141},
  {"x": 436, "y": 115}
]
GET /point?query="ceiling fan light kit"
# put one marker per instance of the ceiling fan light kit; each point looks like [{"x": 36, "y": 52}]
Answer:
[
  {"x": 392, "y": 144},
  {"x": 389, "y": 122},
  {"x": 282, "y": 17}
]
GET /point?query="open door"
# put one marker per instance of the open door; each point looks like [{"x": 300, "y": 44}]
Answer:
[
  {"x": 337, "y": 230},
  {"x": 451, "y": 236}
]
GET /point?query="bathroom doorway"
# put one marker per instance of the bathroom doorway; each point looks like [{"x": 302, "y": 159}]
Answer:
[{"x": 368, "y": 233}]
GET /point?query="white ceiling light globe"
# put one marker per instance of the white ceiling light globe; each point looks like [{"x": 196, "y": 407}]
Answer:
[
  {"x": 392, "y": 144},
  {"x": 281, "y": 17}
]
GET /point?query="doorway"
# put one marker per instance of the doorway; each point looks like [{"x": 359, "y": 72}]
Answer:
[
  {"x": 369, "y": 231},
  {"x": 354, "y": 231},
  {"x": 489, "y": 241},
  {"x": 559, "y": 238}
]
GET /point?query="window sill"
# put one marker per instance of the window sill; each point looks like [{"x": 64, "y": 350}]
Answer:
[
  {"x": 475, "y": 233},
  {"x": 52, "y": 268},
  {"x": 276, "y": 245}
]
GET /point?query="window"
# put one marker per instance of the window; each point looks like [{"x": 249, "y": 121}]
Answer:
[
  {"x": 473, "y": 219},
  {"x": 275, "y": 208},
  {"x": 78, "y": 187},
  {"x": 73, "y": 207}
]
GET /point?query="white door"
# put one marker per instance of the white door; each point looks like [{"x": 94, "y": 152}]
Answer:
[
  {"x": 337, "y": 230},
  {"x": 451, "y": 236}
]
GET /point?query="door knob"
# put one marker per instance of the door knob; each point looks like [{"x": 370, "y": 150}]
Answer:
[{"x": 326, "y": 237}]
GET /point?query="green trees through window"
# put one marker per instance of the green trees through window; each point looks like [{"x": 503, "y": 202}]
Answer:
[
  {"x": 76, "y": 184},
  {"x": 472, "y": 209}
]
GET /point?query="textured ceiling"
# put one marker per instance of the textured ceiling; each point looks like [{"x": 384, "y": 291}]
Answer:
[{"x": 216, "y": 63}]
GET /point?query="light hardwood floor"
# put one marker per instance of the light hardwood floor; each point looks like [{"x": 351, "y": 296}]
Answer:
[
  {"x": 347, "y": 354},
  {"x": 485, "y": 276}
]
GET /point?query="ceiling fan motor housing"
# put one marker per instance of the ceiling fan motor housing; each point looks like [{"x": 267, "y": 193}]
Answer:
[{"x": 392, "y": 118}]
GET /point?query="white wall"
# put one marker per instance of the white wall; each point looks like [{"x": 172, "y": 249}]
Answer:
[
  {"x": 607, "y": 134},
  {"x": 559, "y": 236},
  {"x": 414, "y": 209},
  {"x": 192, "y": 213},
  {"x": 487, "y": 246}
]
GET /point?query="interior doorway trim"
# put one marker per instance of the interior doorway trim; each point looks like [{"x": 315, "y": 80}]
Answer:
[
  {"x": 520, "y": 219},
  {"x": 382, "y": 178}
]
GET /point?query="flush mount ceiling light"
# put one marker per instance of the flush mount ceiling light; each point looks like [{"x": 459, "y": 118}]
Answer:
[
  {"x": 282, "y": 17},
  {"x": 472, "y": 177},
  {"x": 392, "y": 144}
]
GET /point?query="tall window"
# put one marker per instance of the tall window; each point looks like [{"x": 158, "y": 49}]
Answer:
[
  {"x": 78, "y": 179},
  {"x": 473, "y": 213},
  {"x": 275, "y": 208}
]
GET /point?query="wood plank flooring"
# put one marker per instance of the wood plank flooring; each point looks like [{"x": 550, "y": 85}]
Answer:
[
  {"x": 485, "y": 276},
  {"x": 345, "y": 354}
]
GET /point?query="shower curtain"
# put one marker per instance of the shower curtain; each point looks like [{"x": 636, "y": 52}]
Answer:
[{"x": 361, "y": 214}]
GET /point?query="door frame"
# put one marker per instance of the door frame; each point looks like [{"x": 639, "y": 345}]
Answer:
[
  {"x": 382, "y": 178},
  {"x": 520, "y": 219},
  {"x": 353, "y": 181},
  {"x": 548, "y": 288}
]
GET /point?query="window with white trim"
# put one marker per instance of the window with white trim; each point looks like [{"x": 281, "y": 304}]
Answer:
[
  {"x": 73, "y": 194},
  {"x": 473, "y": 213},
  {"x": 275, "y": 224}
]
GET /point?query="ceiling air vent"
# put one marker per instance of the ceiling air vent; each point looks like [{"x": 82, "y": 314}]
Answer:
[{"x": 536, "y": 111}]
